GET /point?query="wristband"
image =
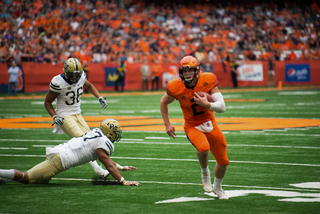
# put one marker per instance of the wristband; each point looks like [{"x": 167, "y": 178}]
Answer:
[
  {"x": 119, "y": 167},
  {"x": 123, "y": 181}
]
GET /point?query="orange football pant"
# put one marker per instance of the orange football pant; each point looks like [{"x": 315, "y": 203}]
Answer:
[{"x": 213, "y": 141}]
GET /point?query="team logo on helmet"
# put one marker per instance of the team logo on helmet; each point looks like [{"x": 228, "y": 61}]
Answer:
[
  {"x": 112, "y": 129},
  {"x": 72, "y": 70}
]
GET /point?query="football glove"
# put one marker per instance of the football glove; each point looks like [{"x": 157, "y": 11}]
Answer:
[
  {"x": 57, "y": 120},
  {"x": 103, "y": 102},
  {"x": 101, "y": 173}
]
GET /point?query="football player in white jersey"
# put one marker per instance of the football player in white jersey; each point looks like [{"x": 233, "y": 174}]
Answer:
[
  {"x": 66, "y": 89},
  {"x": 95, "y": 144}
]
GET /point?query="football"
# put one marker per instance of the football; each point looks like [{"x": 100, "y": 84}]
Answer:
[{"x": 209, "y": 97}]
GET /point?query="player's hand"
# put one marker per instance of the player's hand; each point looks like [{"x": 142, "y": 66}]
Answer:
[
  {"x": 171, "y": 131},
  {"x": 103, "y": 102},
  {"x": 132, "y": 183},
  {"x": 101, "y": 173},
  {"x": 57, "y": 120},
  {"x": 128, "y": 168},
  {"x": 201, "y": 101}
]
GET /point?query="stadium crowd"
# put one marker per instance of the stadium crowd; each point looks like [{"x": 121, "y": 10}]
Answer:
[{"x": 98, "y": 31}]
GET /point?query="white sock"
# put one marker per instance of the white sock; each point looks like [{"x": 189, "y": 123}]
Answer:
[
  {"x": 7, "y": 173},
  {"x": 94, "y": 164},
  {"x": 205, "y": 170},
  {"x": 217, "y": 183}
]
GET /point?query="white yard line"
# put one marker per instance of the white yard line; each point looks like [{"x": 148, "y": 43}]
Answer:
[
  {"x": 197, "y": 184},
  {"x": 186, "y": 160},
  {"x": 140, "y": 141}
]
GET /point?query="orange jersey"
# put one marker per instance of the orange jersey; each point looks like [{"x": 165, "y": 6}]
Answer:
[{"x": 193, "y": 113}]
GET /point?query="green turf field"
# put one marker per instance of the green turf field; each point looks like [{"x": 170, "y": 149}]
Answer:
[{"x": 274, "y": 170}]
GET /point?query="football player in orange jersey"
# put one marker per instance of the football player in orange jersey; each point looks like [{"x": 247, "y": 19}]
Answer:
[{"x": 200, "y": 125}]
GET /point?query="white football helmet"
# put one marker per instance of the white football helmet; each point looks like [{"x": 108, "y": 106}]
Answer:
[
  {"x": 112, "y": 129},
  {"x": 72, "y": 70}
]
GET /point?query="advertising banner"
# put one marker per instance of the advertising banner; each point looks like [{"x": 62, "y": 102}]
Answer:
[
  {"x": 250, "y": 72},
  {"x": 297, "y": 73},
  {"x": 110, "y": 75}
]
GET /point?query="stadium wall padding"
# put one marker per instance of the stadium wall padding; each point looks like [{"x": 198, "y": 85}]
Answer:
[{"x": 38, "y": 76}]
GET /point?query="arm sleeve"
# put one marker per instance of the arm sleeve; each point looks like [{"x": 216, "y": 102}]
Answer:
[{"x": 219, "y": 105}]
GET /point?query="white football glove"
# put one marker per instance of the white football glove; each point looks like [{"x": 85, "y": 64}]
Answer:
[
  {"x": 101, "y": 173},
  {"x": 57, "y": 120},
  {"x": 103, "y": 102}
]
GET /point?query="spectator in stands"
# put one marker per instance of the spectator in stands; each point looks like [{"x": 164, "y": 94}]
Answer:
[
  {"x": 145, "y": 73},
  {"x": 292, "y": 56},
  {"x": 156, "y": 71},
  {"x": 207, "y": 66},
  {"x": 14, "y": 73},
  {"x": 113, "y": 32}
]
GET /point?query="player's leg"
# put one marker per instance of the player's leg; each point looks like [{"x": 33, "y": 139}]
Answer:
[
  {"x": 82, "y": 123},
  {"x": 199, "y": 140},
  {"x": 218, "y": 147},
  {"x": 71, "y": 126},
  {"x": 43, "y": 172}
]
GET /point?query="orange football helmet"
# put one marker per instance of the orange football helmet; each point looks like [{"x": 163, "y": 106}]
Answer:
[{"x": 189, "y": 62}]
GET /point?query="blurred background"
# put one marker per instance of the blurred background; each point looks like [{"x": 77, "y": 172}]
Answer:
[{"x": 40, "y": 35}]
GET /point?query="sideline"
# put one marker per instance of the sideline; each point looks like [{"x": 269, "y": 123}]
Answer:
[{"x": 161, "y": 92}]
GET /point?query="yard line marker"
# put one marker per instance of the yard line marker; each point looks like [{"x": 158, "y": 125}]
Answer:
[
  {"x": 278, "y": 134},
  {"x": 187, "y": 160},
  {"x": 15, "y": 148},
  {"x": 198, "y": 184},
  {"x": 158, "y": 143}
]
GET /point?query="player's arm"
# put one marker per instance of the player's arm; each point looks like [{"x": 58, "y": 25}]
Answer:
[
  {"x": 50, "y": 97},
  {"x": 109, "y": 164},
  {"x": 124, "y": 168},
  {"x": 92, "y": 89},
  {"x": 164, "y": 102},
  {"x": 218, "y": 105}
]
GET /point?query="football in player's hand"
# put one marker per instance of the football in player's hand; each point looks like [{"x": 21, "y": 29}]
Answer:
[{"x": 209, "y": 97}]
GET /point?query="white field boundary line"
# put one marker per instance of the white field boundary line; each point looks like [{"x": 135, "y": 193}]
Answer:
[
  {"x": 239, "y": 145},
  {"x": 195, "y": 184},
  {"x": 155, "y": 143},
  {"x": 186, "y": 160}
]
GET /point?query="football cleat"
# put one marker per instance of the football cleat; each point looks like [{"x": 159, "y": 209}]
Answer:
[
  {"x": 72, "y": 70},
  {"x": 112, "y": 129},
  {"x": 220, "y": 193},
  {"x": 206, "y": 181}
]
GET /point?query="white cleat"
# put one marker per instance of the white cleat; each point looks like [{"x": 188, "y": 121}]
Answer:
[
  {"x": 206, "y": 182},
  {"x": 220, "y": 193}
]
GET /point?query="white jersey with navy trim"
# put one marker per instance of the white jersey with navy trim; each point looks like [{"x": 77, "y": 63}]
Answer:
[
  {"x": 68, "y": 102},
  {"x": 81, "y": 150}
]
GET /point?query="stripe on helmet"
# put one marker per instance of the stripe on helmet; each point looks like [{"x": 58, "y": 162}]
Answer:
[{"x": 75, "y": 61}]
